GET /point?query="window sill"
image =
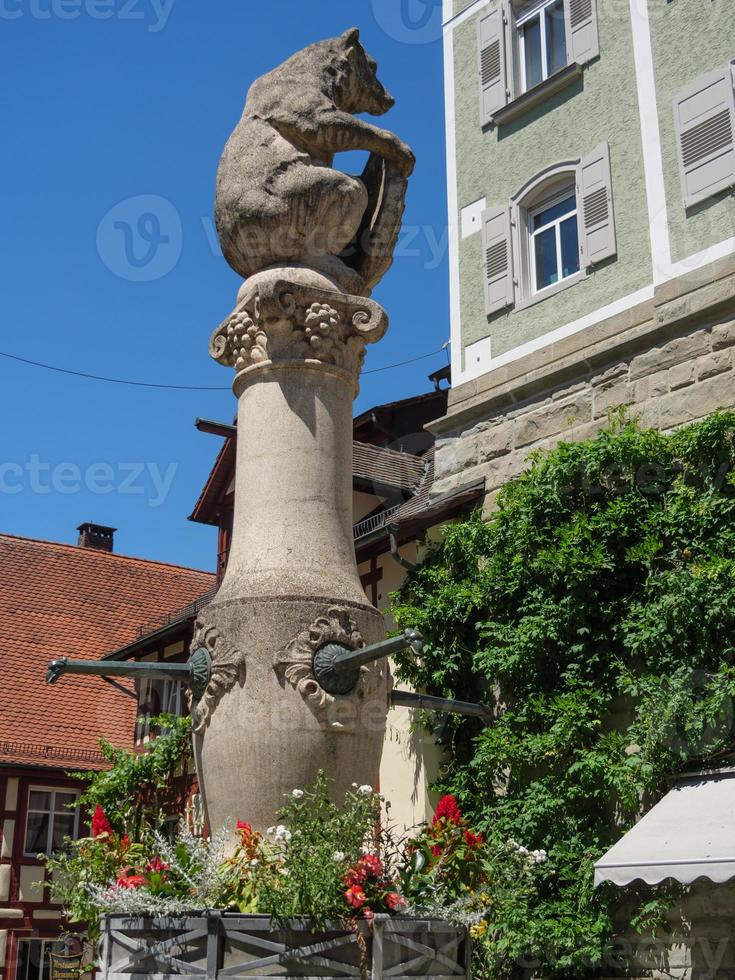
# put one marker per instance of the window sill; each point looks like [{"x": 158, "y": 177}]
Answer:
[
  {"x": 538, "y": 94},
  {"x": 550, "y": 291}
]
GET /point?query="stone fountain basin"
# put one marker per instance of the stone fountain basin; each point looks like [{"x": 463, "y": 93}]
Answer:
[{"x": 218, "y": 945}]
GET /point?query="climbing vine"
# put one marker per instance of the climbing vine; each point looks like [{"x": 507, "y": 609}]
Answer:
[
  {"x": 134, "y": 786},
  {"x": 596, "y": 612}
]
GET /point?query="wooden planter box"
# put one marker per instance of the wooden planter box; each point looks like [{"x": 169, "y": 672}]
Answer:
[{"x": 228, "y": 945}]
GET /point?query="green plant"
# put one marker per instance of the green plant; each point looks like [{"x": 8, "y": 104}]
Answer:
[
  {"x": 596, "y": 611},
  {"x": 320, "y": 871},
  {"x": 131, "y": 790}
]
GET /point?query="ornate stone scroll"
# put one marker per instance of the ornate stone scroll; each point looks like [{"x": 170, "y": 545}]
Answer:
[
  {"x": 281, "y": 320},
  {"x": 227, "y": 667},
  {"x": 295, "y": 664}
]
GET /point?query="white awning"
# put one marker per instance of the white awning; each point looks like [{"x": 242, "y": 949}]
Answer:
[{"x": 689, "y": 834}]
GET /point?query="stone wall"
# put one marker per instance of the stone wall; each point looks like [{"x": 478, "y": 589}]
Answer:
[{"x": 668, "y": 361}]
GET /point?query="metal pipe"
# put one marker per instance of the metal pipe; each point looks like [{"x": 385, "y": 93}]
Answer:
[
  {"x": 408, "y": 699},
  {"x": 115, "y": 668},
  {"x": 353, "y": 659},
  {"x": 394, "y": 552}
]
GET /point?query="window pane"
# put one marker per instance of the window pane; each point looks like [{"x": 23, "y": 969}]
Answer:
[
  {"x": 569, "y": 247},
  {"x": 62, "y": 801},
  {"x": 532, "y": 52},
  {"x": 554, "y": 212},
  {"x": 556, "y": 46},
  {"x": 546, "y": 263},
  {"x": 63, "y": 827},
  {"x": 38, "y": 800},
  {"x": 21, "y": 970},
  {"x": 36, "y": 833}
]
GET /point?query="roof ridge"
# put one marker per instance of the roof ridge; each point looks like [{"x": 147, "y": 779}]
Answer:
[{"x": 62, "y": 545}]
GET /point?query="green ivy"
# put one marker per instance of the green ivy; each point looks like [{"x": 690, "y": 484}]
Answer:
[
  {"x": 596, "y": 611},
  {"x": 132, "y": 789}
]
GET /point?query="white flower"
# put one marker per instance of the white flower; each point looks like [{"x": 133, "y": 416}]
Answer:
[
  {"x": 339, "y": 856},
  {"x": 297, "y": 793},
  {"x": 365, "y": 790},
  {"x": 254, "y": 863},
  {"x": 513, "y": 844},
  {"x": 540, "y": 856},
  {"x": 354, "y": 785},
  {"x": 282, "y": 834},
  {"x": 523, "y": 850},
  {"x": 271, "y": 831}
]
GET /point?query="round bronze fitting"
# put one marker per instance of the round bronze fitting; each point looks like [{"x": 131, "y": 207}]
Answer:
[{"x": 332, "y": 681}]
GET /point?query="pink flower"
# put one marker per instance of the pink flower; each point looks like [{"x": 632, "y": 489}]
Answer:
[
  {"x": 372, "y": 865},
  {"x": 100, "y": 824},
  {"x": 156, "y": 865},
  {"x": 448, "y": 809},
  {"x": 395, "y": 901}
]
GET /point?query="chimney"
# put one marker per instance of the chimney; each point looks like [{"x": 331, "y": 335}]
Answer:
[{"x": 96, "y": 536}]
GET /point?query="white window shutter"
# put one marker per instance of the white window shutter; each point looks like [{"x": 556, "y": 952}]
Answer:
[
  {"x": 491, "y": 54},
  {"x": 580, "y": 21},
  {"x": 595, "y": 213},
  {"x": 498, "y": 259},
  {"x": 704, "y": 119}
]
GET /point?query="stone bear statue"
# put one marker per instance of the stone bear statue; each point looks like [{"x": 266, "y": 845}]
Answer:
[{"x": 279, "y": 199}]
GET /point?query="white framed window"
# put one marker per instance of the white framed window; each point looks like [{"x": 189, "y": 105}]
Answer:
[
  {"x": 52, "y": 816},
  {"x": 33, "y": 959},
  {"x": 530, "y": 49},
  {"x": 551, "y": 234},
  {"x": 553, "y": 240},
  {"x": 157, "y": 696},
  {"x": 542, "y": 42}
]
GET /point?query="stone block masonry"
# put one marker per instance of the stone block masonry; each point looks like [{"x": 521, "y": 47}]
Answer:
[{"x": 666, "y": 362}]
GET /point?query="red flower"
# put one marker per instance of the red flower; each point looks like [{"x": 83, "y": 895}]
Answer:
[
  {"x": 436, "y": 851},
  {"x": 448, "y": 809},
  {"x": 244, "y": 828},
  {"x": 156, "y": 865},
  {"x": 372, "y": 865},
  {"x": 124, "y": 843},
  {"x": 355, "y": 897},
  {"x": 100, "y": 824},
  {"x": 473, "y": 840},
  {"x": 395, "y": 901},
  {"x": 129, "y": 881}
]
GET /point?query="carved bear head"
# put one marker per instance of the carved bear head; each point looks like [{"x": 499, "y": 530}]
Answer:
[{"x": 361, "y": 90}]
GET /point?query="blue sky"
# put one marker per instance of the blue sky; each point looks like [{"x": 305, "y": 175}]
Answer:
[{"x": 112, "y": 109}]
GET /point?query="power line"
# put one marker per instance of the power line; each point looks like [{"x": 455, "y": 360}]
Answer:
[{"x": 151, "y": 384}]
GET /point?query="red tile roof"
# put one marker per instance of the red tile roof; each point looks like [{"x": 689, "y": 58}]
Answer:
[{"x": 59, "y": 600}]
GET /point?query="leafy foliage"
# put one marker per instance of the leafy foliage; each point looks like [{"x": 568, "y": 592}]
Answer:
[
  {"x": 130, "y": 791},
  {"x": 596, "y": 611}
]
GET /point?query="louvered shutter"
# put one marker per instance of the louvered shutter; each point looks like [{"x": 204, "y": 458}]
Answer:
[
  {"x": 704, "y": 119},
  {"x": 595, "y": 207},
  {"x": 493, "y": 81},
  {"x": 580, "y": 19},
  {"x": 498, "y": 259}
]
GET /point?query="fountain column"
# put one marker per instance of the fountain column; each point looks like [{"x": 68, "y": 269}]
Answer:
[{"x": 264, "y": 725}]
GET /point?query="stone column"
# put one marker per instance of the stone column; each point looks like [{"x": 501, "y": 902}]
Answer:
[{"x": 264, "y": 725}]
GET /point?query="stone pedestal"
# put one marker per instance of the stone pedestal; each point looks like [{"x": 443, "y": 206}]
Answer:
[{"x": 264, "y": 725}]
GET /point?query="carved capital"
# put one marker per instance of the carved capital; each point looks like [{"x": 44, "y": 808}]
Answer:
[
  {"x": 295, "y": 665},
  {"x": 227, "y": 668},
  {"x": 278, "y": 320}
]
